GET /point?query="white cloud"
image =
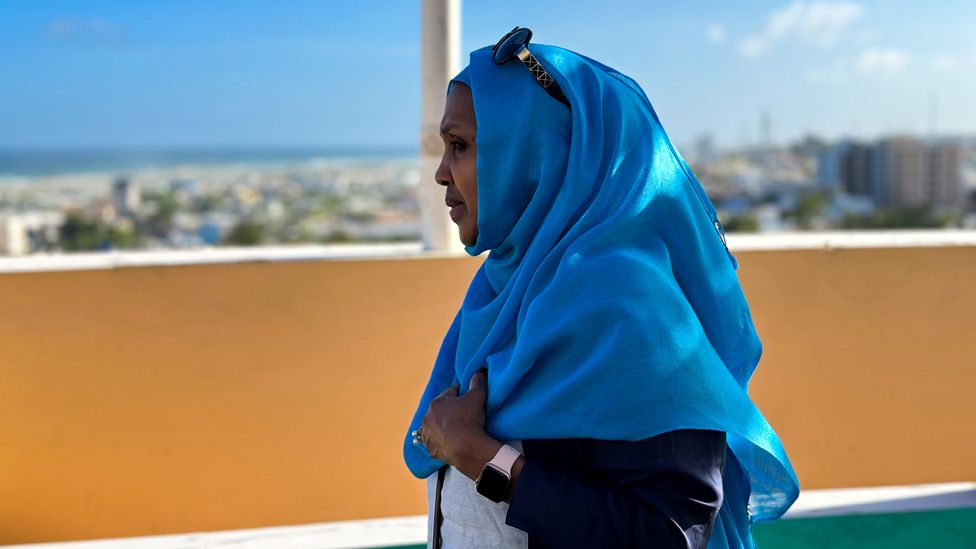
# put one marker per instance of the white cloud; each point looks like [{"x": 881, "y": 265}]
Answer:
[
  {"x": 945, "y": 63},
  {"x": 882, "y": 60},
  {"x": 715, "y": 33},
  {"x": 820, "y": 23},
  {"x": 752, "y": 47}
]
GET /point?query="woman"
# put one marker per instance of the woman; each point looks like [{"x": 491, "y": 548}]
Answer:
[{"x": 605, "y": 345}]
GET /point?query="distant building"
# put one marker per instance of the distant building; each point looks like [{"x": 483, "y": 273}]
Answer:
[
  {"x": 899, "y": 175},
  {"x": 856, "y": 168},
  {"x": 26, "y": 232},
  {"x": 945, "y": 182},
  {"x": 183, "y": 189},
  {"x": 830, "y": 161},
  {"x": 896, "y": 171},
  {"x": 13, "y": 236},
  {"x": 769, "y": 217},
  {"x": 210, "y": 234},
  {"x": 704, "y": 150},
  {"x": 126, "y": 196},
  {"x": 809, "y": 147}
]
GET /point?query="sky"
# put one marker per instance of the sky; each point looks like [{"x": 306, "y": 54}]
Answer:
[{"x": 341, "y": 74}]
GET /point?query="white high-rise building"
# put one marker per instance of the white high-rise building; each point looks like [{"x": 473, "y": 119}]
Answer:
[
  {"x": 13, "y": 235},
  {"x": 126, "y": 195}
]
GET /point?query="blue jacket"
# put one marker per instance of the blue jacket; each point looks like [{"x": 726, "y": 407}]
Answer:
[{"x": 663, "y": 491}]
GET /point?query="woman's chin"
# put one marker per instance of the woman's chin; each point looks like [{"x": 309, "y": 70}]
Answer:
[{"x": 468, "y": 239}]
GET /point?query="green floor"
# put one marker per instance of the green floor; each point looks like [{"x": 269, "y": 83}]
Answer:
[{"x": 954, "y": 528}]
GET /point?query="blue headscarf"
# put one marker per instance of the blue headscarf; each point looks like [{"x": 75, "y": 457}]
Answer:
[{"x": 608, "y": 306}]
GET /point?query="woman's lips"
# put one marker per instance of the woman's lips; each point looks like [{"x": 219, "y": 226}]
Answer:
[{"x": 457, "y": 211}]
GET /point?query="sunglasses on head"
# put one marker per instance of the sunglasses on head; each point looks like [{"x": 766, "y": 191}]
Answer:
[{"x": 515, "y": 44}]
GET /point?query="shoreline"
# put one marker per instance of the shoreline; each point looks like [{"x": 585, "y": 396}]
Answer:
[
  {"x": 17, "y": 163},
  {"x": 81, "y": 179}
]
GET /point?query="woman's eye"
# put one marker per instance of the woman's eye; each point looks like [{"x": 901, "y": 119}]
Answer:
[{"x": 458, "y": 145}]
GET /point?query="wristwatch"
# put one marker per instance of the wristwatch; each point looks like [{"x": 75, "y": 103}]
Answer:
[{"x": 497, "y": 474}]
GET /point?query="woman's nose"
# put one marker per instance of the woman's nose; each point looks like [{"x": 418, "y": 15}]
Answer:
[{"x": 443, "y": 175}]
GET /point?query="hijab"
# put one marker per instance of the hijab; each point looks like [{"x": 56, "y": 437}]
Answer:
[{"x": 608, "y": 305}]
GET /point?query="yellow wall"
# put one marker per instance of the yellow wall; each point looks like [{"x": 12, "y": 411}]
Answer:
[{"x": 174, "y": 399}]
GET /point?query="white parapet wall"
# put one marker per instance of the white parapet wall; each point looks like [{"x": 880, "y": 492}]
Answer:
[{"x": 836, "y": 240}]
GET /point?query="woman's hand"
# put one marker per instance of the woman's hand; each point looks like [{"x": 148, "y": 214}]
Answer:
[{"x": 453, "y": 429}]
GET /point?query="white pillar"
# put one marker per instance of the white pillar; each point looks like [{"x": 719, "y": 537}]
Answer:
[{"x": 441, "y": 52}]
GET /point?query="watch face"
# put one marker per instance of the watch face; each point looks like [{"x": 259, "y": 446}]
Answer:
[{"x": 492, "y": 484}]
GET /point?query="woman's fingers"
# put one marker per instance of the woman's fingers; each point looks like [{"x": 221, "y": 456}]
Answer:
[
  {"x": 479, "y": 380},
  {"x": 450, "y": 391},
  {"x": 450, "y": 418},
  {"x": 478, "y": 387}
]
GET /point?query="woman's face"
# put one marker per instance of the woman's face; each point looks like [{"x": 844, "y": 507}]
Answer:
[{"x": 457, "y": 169}]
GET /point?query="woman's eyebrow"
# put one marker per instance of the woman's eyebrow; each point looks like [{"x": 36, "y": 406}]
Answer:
[{"x": 448, "y": 126}]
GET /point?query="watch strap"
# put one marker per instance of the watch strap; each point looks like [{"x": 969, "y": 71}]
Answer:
[{"x": 505, "y": 458}]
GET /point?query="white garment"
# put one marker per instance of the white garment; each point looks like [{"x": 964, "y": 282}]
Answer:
[{"x": 470, "y": 519}]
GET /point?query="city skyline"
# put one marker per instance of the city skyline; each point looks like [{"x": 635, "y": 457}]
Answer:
[{"x": 249, "y": 74}]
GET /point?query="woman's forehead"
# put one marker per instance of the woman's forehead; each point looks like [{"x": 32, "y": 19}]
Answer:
[{"x": 459, "y": 110}]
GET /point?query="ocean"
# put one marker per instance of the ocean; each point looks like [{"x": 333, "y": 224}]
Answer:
[{"x": 52, "y": 162}]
